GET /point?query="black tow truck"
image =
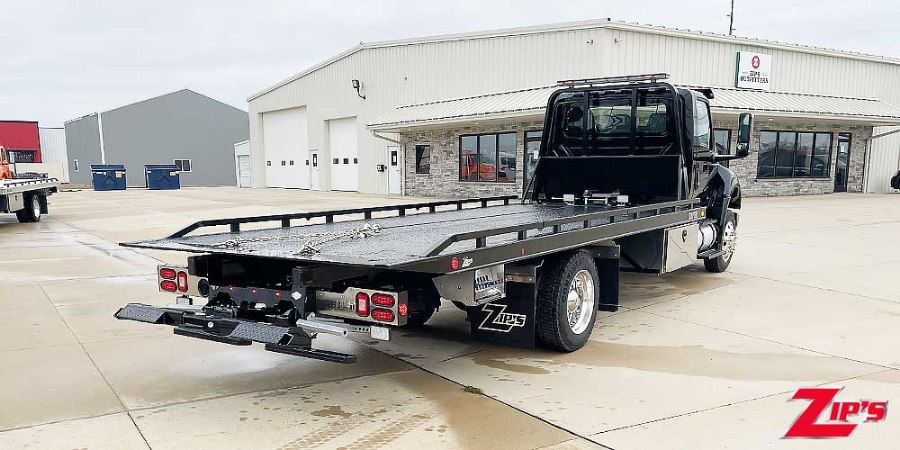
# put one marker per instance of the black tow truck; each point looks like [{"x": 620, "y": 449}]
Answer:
[{"x": 628, "y": 179}]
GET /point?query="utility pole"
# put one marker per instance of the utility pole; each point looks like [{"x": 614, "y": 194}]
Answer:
[{"x": 731, "y": 20}]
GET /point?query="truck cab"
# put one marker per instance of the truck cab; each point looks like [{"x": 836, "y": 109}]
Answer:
[{"x": 644, "y": 141}]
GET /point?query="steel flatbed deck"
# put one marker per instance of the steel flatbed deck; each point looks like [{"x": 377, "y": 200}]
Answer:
[
  {"x": 495, "y": 230},
  {"x": 16, "y": 186}
]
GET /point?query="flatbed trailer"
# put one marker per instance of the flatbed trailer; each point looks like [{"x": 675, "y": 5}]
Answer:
[
  {"x": 27, "y": 198},
  {"x": 527, "y": 272}
]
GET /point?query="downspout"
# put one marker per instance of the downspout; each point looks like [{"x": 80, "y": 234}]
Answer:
[
  {"x": 868, "y": 156},
  {"x": 402, "y": 149},
  {"x": 100, "y": 131}
]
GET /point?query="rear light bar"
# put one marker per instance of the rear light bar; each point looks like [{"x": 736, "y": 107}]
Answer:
[
  {"x": 182, "y": 281},
  {"x": 177, "y": 279},
  {"x": 362, "y": 304},
  {"x": 167, "y": 273},
  {"x": 365, "y": 305},
  {"x": 652, "y": 77},
  {"x": 383, "y": 315},
  {"x": 383, "y": 300}
]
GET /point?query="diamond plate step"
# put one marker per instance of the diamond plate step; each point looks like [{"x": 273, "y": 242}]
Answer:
[{"x": 144, "y": 313}]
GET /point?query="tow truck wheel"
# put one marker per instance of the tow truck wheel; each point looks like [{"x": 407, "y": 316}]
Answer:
[
  {"x": 567, "y": 303},
  {"x": 729, "y": 234},
  {"x": 32, "y": 211}
]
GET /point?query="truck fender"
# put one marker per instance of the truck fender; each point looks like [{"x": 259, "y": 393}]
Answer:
[{"x": 722, "y": 184}]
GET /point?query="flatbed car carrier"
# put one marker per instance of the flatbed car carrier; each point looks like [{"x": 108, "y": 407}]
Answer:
[
  {"x": 628, "y": 179},
  {"x": 27, "y": 198}
]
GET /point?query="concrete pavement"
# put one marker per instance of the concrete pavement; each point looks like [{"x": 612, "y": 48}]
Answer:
[{"x": 692, "y": 360}]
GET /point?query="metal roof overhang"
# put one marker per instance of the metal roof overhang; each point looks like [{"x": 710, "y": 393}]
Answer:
[{"x": 530, "y": 104}]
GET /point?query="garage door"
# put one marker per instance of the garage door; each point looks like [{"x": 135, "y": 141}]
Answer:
[
  {"x": 243, "y": 171},
  {"x": 286, "y": 148},
  {"x": 342, "y": 143}
]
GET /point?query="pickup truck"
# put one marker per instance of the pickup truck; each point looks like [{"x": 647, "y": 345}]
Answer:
[
  {"x": 24, "y": 194},
  {"x": 628, "y": 179}
]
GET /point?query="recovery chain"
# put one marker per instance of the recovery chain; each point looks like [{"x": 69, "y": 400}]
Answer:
[{"x": 314, "y": 241}]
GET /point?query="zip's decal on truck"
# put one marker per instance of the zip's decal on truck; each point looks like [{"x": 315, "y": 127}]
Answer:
[{"x": 499, "y": 320}]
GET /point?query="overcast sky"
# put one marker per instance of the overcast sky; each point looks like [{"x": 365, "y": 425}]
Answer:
[{"x": 61, "y": 59}]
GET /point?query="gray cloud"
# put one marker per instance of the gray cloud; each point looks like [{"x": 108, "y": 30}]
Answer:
[{"x": 62, "y": 59}]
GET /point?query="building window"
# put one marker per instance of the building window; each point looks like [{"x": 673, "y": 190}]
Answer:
[
  {"x": 723, "y": 140},
  {"x": 184, "y": 165},
  {"x": 423, "y": 159},
  {"x": 488, "y": 157},
  {"x": 789, "y": 154},
  {"x": 21, "y": 156}
]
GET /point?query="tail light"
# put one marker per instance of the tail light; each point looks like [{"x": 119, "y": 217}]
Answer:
[
  {"x": 383, "y": 315},
  {"x": 168, "y": 274},
  {"x": 403, "y": 309},
  {"x": 182, "y": 279},
  {"x": 362, "y": 304},
  {"x": 168, "y": 286},
  {"x": 383, "y": 300}
]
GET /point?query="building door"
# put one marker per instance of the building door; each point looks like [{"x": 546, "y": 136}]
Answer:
[
  {"x": 393, "y": 170},
  {"x": 532, "y": 150},
  {"x": 342, "y": 145},
  {"x": 286, "y": 148},
  {"x": 243, "y": 171},
  {"x": 314, "y": 179},
  {"x": 842, "y": 163}
]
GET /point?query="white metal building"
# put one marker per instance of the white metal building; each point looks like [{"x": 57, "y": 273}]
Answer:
[{"x": 314, "y": 130}]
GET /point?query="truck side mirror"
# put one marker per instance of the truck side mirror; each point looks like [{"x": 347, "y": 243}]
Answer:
[{"x": 745, "y": 128}]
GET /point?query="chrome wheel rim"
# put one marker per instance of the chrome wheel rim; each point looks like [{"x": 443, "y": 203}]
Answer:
[
  {"x": 729, "y": 237},
  {"x": 580, "y": 302},
  {"x": 36, "y": 207}
]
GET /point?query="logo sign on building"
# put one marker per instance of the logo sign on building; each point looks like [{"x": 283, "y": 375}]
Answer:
[{"x": 754, "y": 70}]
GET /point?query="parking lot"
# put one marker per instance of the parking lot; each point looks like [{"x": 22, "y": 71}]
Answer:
[{"x": 693, "y": 359}]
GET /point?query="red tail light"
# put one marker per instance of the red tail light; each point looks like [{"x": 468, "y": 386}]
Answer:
[
  {"x": 362, "y": 304},
  {"x": 383, "y": 315},
  {"x": 182, "y": 281},
  {"x": 168, "y": 286},
  {"x": 383, "y": 300},
  {"x": 403, "y": 309},
  {"x": 454, "y": 263},
  {"x": 168, "y": 274}
]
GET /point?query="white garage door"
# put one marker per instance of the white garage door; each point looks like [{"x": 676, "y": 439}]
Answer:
[
  {"x": 243, "y": 171},
  {"x": 287, "y": 148},
  {"x": 342, "y": 143}
]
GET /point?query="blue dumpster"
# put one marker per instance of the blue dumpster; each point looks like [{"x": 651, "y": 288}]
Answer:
[
  {"x": 162, "y": 176},
  {"x": 108, "y": 177}
]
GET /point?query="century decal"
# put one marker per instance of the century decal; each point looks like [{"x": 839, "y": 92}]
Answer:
[{"x": 499, "y": 320}]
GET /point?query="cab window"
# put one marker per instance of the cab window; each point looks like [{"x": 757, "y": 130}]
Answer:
[{"x": 702, "y": 127}]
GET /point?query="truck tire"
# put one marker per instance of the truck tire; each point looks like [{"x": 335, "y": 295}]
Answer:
[
  {"x": 32, "y": 210},
  {"x": 418, "y": 317},
  {"x": 729, "y": 234},
  {"x": 567, "y": 304}
]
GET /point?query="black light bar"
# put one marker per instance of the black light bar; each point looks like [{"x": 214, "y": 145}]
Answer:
[{"x": 651, "y": 77}]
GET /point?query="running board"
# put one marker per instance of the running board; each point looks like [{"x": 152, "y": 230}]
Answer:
[{"x": 227, "y": 330}]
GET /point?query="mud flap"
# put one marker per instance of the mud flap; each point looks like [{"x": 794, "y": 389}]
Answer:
[{"x": 509, "y": 321}]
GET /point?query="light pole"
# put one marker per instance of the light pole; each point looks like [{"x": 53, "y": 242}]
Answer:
[{"x": 731, "y": 20}]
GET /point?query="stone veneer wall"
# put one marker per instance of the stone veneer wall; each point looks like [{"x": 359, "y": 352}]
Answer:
[
  {"x": 766, "y": 187},
  {"x": 443, "y": 181}
]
